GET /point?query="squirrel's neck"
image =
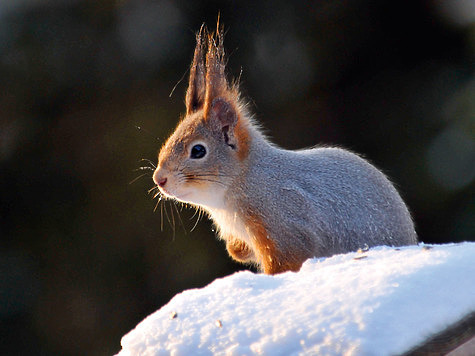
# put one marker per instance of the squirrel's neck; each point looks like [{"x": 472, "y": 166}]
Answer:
[
  {"x": 231, "y": 217},
  {"x": 260, "y": 148}
]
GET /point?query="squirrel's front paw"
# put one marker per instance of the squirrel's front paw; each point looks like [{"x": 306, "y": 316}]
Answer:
[{"x": 240, "y": 251}]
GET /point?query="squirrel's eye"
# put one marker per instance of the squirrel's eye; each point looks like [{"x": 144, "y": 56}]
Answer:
[{"x": 198, "y": 151}]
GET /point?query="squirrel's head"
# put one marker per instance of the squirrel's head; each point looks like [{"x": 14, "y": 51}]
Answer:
[{"x": 210, "y": 145}]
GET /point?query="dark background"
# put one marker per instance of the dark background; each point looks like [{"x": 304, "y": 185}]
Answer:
[{"x": 82, "y": 256}]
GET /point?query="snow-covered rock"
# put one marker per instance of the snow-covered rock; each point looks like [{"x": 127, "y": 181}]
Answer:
[{"x": 380, "y": 302}]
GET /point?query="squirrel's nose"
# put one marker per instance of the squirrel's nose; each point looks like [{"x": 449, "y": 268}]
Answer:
[
  {"x": 159, "y": 179},
  {"x": 162, "y": 181}
]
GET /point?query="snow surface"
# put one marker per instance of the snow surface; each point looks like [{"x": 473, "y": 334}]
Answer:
[{"x": 381, "y": 302}]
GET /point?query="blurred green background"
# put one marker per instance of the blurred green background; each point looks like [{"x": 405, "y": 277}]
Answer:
[{"x": 82, "y": 256}]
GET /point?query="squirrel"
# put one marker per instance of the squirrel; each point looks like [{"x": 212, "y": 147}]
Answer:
[{"x": 273, "y": 207}]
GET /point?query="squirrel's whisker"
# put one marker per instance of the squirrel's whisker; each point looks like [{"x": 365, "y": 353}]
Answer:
[
  {"x": 140, "y": 176},
  {"x": 166, "y": 213},
  {"x": 210, "y": 180},
  {"x": 158, "y": 202},
  {"x": 194, "y": 214},
  {"x": 199, "y": 211},
  {"x": 149, "y": 162},
  {"x": 210, "y": 175},
  {"x": 194, "y": 178},
  {"x": 161, "y": 217},
  {"x": 152, "y": 189},
  {"x": 144, "y": 168},
  {"x": 179, "y": 218},
  {"x": 173, "y": 220}
]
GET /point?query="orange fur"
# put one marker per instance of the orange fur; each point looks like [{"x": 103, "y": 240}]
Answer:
[
  {"x": 242, "y": 136},
  {"x": 271, "y": 259},
  {"x": 239, "y": 250}
]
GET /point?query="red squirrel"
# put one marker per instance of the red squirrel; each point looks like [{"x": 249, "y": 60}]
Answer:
[{"x": 273, "y": 207}]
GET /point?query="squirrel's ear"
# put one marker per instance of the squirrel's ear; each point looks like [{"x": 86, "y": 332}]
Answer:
[
  {"x": 223, "y": 113},
  {"x": 195, "y": 95},
  {"x": 222, "y": 102}
]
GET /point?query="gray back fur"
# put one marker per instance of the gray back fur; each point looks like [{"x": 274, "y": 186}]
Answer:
[{"x": 322, "y": 201}]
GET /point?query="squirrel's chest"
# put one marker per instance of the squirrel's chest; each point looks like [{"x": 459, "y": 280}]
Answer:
[{"x": 230, "y": 225}]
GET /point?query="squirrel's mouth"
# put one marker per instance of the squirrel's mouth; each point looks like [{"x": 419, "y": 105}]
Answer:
[
  {"x": 174, "y": 195},
  {"x": 166, "y": 193}
]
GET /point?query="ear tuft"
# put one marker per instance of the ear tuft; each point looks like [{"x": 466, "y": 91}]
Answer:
[
  {"x": 208, "y": 87},
  {"x": 195, "y": 95},
  {"x": 216, "y": 83}
]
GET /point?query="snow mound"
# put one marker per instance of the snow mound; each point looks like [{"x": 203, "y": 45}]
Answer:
[{"x": 380, "y": 302}]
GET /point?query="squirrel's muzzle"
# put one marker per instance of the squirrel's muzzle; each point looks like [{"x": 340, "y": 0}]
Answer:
[{"x": 159, "y": 178}]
